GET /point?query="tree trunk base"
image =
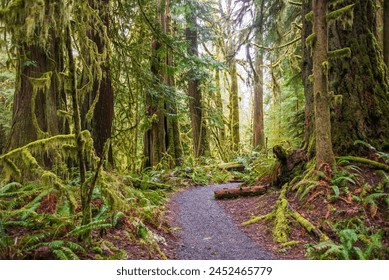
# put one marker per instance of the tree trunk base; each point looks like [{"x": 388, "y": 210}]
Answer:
[{"x": 290, "y": 165}]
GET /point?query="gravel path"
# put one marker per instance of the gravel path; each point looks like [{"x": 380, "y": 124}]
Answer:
[{"x": 208, "y": 232}]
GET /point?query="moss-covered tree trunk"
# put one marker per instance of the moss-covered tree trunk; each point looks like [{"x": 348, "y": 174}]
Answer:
[
  {"x": 386, "y": 32},
  {"x": 38, "y": 91},
  {"x": 162, "y": 133},
  {"x": 234, "y": 107},
  {"x": 324, "y": 153},
  {"x": 258, "y": 124},
  {"x": 359, "y": 83},
  {"x": 154, "y": 140},
  {"x": 306, "y": 68},
  {"x": 101, "y": 122},
  {"x": 174, "y": 146},
  {"x": 200, "y": 145},
  {"x": 220, "y": 136}
]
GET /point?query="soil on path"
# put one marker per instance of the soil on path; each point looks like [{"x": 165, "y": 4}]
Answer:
[{"x": 207, "y": 232}]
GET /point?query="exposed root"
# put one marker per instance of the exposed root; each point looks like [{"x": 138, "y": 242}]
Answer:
[
  {"x": 372, "y": 163},
  {"x": 281, "y": 214}
]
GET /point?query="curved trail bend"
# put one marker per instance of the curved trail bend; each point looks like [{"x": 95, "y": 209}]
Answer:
[{"x": 208, "y": 232}]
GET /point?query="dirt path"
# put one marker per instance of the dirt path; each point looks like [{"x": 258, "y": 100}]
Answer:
[{"x": 208, "y": 232}]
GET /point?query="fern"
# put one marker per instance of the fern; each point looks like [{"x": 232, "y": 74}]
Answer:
[
  {"x": 347, "y": 248},
  {"x": 99, "y": 224}
]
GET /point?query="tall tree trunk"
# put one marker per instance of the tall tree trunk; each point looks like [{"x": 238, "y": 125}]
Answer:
[
  {"x": 101, "y": 122},
  {"x": 194, "y": 92},
  {"x": 386, "y": 33},
  {"x": 359, "y": 83},
  {"x": 258, "y": 127},
  {"x": 154, "y": 141},
  {"x": 324, "y": 153},
  {"x": 220, "y": 128},
  {"x": 234, "y": 106},
  {"x": 307, "y": 66},
  {"x": 162, "y": 135},
  {"x": 174, "y": 146},
  {"x": 38, "y": 94}
]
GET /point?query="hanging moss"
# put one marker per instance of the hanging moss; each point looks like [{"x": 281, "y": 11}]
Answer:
[
  {"x": 310, "y": 41},
  {"x": 309, "y": 16},
  {"x": 41, "y": 84},
  {"x": 341, "y": 53},
  {"x": 361, "y": 80}
]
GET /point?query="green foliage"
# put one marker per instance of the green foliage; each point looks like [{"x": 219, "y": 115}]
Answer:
[
  {"x": 381, "y": 155},
  {"x": 354, "y": 243},
  {"x": 257, "y": 166}
]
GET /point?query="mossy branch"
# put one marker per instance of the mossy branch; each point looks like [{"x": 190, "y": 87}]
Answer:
[
  {"x": 334, "y": 15},
  {"x": 372, "y": 163},
  {"x": 298, "y": 4},
  {"x": 40, "y": 143},
  {"x": 309, "y": 16},
  {"x": 340, "y": 53}
]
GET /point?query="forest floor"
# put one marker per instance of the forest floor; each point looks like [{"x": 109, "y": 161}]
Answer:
[
  {"x": 235, "y": 211},
  {"x": 193, "y": 225},
  {"x": 319, "y": 206},
  {"x": 206, "y": 231}
]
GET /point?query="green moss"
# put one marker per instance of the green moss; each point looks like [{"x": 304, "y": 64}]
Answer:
[
  {"x": 281, "y": 223},
  {"x": 309, "y": 16},
  {"x": 310, "y": 41},
  {"x": 340, "y": 53},
  {"x": 339, "y": 13}
]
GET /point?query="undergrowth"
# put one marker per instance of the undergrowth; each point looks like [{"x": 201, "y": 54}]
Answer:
[{"x": 42, "y": 221}]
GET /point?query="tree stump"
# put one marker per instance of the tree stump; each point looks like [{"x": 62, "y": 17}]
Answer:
[{"x": 290, "y": 164}]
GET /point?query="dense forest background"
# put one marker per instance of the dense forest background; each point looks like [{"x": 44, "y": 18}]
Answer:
[{"x": 107, "y": 106}]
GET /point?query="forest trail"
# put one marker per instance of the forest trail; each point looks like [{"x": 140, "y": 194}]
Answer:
[{"x": 208, "y": 232}]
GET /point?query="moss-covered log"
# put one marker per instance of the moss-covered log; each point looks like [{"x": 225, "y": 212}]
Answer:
[
  {"x": 308, "y": 226},
  {"x": 232, "y": 166},
  {"x": 237, "y": 192}
]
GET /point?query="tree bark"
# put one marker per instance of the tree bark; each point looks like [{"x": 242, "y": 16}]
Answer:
[
  {"x": 234, "y": 107},
  {"x": 174, "y": 139},
  {"x": 386, "y": 33},
  {"x": 221, "y": 131},
  {"x": 360, "y": 83},
  {"x": 195, "y": 96},
  {"x": 258, "y": 125},
  {"x": 154, "y": 141},
  {"x": 101, "y": 122},
  {"x": 35, "y": 104},
  {"x": 324, "y": 153},
  {"x": 162, "y": 134},
  {"x": 307, "y": 66}
]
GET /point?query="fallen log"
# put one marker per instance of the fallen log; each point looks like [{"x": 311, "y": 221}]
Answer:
[
  {"x": 240, "y": 191},
  {"x": 232, "y": 166}
]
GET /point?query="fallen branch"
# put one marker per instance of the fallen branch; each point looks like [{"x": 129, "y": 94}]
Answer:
[{"x": 241, "y": 191}]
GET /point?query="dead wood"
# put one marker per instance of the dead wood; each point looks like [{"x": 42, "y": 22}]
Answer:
[{"x": 240, "y": 191}]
